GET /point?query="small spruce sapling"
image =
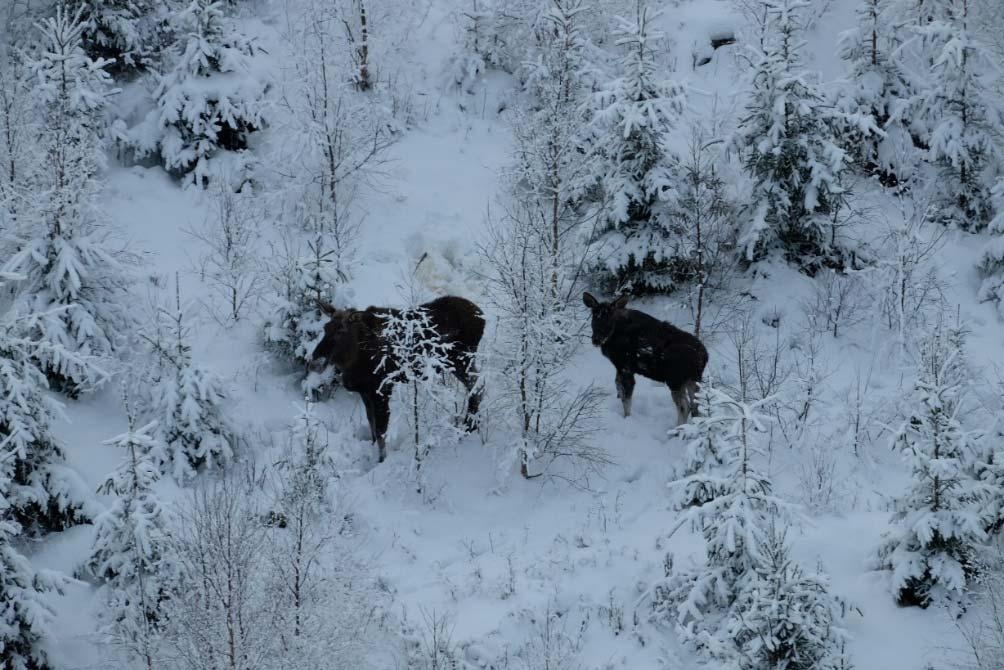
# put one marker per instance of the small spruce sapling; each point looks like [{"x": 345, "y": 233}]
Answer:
[
  {"x": 131, "y": 552},
  {"x": 187, "y": 400},
  {"x": 934, "y": 551}
]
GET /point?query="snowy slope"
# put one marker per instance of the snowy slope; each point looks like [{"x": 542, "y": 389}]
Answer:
[{"x": 489, "y": 550}]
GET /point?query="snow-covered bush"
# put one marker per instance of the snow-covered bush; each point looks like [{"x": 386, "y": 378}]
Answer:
[
  {"x": 706, "y": 216},
  {"x": 312, "y": 562},
  {"x": 637, "y": 241},
  {"x": 72, "y": 279},
  {"x": 935, "y": 549},
  {"x": 187, "y": 400},
  {"x": 421, "y": 363},
  {"x": 229, "y": 262},
  {"x": 40, "y": 493},
  {"x": 209, "y": 99},
  {"x": 538, "y": 333},
  {"x": 704, "y": 435},
  {"x": 25, "y": 634},
  {"x": 991, "y": 265},
  {"x": 16, "y": 134},
  {"x": 125, "y": 32},
  {"x": 131, "y": 552},
  {"x": 788, "y": 141},
  {"x": 789, "y": 617},
  {"x": 748, "y": 605}
]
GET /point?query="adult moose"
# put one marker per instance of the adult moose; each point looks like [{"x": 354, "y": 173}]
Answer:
[
  {"x": 638, "y": 343},
  {"x": 354, "y": 343}
]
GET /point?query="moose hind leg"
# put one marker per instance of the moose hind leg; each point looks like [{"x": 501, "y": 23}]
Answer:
[
  {"x": 682, "y": 401},
  {"x": 625, "y": 388},
  {"x": 468, "y": 376},
  {"x": 692, "y": 389},
  {"x": 370, "y": 420}
]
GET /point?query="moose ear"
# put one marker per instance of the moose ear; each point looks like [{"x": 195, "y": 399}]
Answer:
[
  {"x": 621, "y": 301},
  {"x": 591, "y": 302},
  {"x": 326, "y": 307}
]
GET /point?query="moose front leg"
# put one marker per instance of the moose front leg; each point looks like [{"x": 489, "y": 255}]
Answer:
[
  {"x": 381, "y": 418},
  {"x": 625, "y": 388}
]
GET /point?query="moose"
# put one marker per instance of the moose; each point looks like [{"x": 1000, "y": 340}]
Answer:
[
  {"x": 354, "y": 343},
  {"x": 638, "y": 343}
]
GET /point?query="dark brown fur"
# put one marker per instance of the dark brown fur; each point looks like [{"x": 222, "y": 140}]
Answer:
[
  {"x": 353, "y": 342},
  {"x": 638, "y": 343}
]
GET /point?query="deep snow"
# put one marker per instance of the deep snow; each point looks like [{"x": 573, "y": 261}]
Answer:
[{"x": 488, "y": 548}]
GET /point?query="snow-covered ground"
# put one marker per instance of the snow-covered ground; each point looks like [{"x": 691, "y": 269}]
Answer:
[{"x": 489, "y": 550}]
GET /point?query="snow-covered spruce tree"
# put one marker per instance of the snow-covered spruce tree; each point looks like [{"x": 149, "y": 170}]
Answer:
[
  {"x": 934, "y": 551},
  {"x": 735, "y": 516},
  {"x": 72, "y": 280},
  {"x": 709, "y": 429},
  {"x": 877, "y": 92},
  {"x": 187, "y": 401},
  {"x": 421, "y": 364},
  {"x": 25, "y": 617},
  {"x": 41, "y": 494},
  {"x": 124, "y": 32},
  {"x": 991, "y": 265},
  {"x": 131, "y": 552},
  {"x": 209, "y": 99},
  {"x": 538, "y": 334},
  {"x": 636, "y": 242},
  {"x": 16, "y": 134},
  {"x": 959, "y": 112},
  {"x": 787, "y": 139},
  {"x": 789, "y": 617}
]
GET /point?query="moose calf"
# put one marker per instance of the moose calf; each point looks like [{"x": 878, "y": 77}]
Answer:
[
  {"x": 637, "y": 343},
  {"x": 354, "y": 343}
]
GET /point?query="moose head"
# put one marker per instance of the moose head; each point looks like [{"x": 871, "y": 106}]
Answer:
[
  {"x": 340, "y": 342},
  {"x": 604, "y": 315}
]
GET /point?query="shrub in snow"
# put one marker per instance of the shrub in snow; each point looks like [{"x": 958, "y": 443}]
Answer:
[
  {"x": 16, "y": 134},
  {"x": 420, "y": 362},
  {"x": 636, "y": 242},
  {"x": 748, "y": 605},
  {"x": 537, "y": 336},
  {"x": 41, "y": 494},
  {"x": 934, "y": 551},
  {"x": 789, "y": 618},
  {"x": 187, "y": 401},
  {"x": 124, "y": 32},
  {"x": 209, "y": 99},
  {"x": 991, "y": 265},
  {"x": 877, "y": 93},
  {"x": 229, "y": 262},
  {"x": 312, "y": 562},
  {"x": 131, "y": 552},
  {"x": 707, "y": 436},
  {"x": 25, "y": 634},
  {"x": 787, "y": 138},
  {"x": 305, "y": 279},
  {"x": 72, "y": 280},
  {"x": 957, "y": 109}
]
